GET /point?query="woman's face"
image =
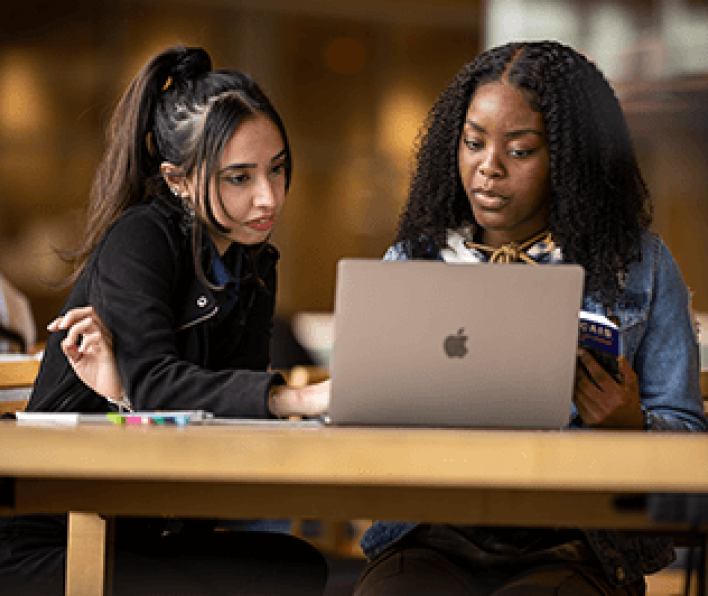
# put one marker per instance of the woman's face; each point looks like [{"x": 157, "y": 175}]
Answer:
[
  {"x": 504, "y": 164},
  {"x": 251, "y": 180}
]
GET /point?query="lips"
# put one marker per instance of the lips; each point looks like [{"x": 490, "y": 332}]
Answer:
[
  {"x": 261, "y": 225},
  {"x": 489, "y": 200}
]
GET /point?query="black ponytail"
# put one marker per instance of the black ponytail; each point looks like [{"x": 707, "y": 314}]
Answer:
[{"x": 191, "y": 64}]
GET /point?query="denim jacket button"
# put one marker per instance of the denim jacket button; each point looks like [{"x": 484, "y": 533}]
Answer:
[
  {"x": 619, "y": 573},
  {"x": 202, "y": 301}
]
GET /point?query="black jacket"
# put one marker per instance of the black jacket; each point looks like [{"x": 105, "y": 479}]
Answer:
[{"x": 175, "y": 347}]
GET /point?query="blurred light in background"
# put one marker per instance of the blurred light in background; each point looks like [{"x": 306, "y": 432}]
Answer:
[
  {"x": 613, "y": 31},
  {"x": 509, "y": 20},
  {"x": 22, "y": 101},
  {"x": 403, "y": 110},
  {"x": 684, "y": 32},
  {"x": 627, "y": 40}
]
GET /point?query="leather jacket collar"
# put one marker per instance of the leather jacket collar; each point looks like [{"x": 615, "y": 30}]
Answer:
[{"x": 200, "y": 302}]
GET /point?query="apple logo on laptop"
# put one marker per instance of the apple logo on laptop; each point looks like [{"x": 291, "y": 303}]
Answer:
[{"x": 454, "y": 345}]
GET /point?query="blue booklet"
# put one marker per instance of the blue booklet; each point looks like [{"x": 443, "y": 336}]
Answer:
[{"x": 601, "y": 338}]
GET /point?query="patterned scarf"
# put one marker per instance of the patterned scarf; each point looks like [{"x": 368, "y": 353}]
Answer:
[{"x": 462, "y": 249}]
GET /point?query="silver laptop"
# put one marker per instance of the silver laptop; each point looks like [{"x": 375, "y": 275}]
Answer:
[{"x": 422, "y": 343}]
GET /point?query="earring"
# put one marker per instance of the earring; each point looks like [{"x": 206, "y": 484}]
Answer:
[
  {"x": 184, "y": 201},
  {"x": 189, "y": 210}
]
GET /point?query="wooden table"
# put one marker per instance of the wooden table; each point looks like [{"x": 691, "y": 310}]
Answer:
[{"x": 481, "y": 477}]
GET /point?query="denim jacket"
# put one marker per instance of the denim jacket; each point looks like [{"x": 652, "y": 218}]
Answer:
[{"x": 659, "y": 339}]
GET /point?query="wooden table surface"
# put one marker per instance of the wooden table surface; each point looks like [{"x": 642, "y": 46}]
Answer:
[{"x": 345, "y": 473}]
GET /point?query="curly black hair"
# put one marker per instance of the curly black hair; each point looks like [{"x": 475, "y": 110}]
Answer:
[{"x": 599, "y": 203}]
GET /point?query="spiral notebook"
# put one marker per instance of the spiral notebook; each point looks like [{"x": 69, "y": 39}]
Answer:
[{"x": 427, "y": 343}]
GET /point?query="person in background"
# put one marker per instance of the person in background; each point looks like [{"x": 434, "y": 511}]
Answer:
[
  {"x": 526, "y": 157},
  {"x": 177, "y": 265},
  {"x": 18, "y": 332}
]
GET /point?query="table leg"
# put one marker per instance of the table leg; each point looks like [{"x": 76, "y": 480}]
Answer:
[{"x": 89, "y": 559}]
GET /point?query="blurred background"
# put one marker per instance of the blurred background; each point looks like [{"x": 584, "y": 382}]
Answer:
[{"x": 353, "y": 80}]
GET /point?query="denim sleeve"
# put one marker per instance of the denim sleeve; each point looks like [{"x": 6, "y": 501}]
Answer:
[
  {"x": 667, "y": 358},
  {"x": 396, "y": 252},
  {"x": 403, "y": 251}
]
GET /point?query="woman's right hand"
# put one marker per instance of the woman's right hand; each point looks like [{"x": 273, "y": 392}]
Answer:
[
  {"x": 308, "y": 401},
  {"x": 603, "y": 401},
  {"x": 89, "y": 348}
]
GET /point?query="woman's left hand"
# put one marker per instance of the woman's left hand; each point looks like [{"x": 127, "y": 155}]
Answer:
[{"x": 603, "y": 402}]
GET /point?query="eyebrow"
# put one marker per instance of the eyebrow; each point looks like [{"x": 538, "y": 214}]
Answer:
[
  {"x": 511, "y": 133},
  {"x": 244, "y": 166}
]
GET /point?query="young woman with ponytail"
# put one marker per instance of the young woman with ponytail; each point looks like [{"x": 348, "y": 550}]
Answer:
[{"x": 176, "y": 263}]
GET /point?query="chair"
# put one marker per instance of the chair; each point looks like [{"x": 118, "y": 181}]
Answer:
[
  {"x": 17, "y": 375},
  {"x": 15, "y": 340},
  {"x": 18, "y": 332}
]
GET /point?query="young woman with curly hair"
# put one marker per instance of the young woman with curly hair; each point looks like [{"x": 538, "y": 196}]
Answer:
[{"x": 526, "y": 156}]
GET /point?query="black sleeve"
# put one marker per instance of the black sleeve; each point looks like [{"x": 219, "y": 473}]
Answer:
[{"x": 133, "y": 285}]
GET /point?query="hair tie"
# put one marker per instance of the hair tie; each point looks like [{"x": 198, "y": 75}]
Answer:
[{"x": 167, "y": 84}]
